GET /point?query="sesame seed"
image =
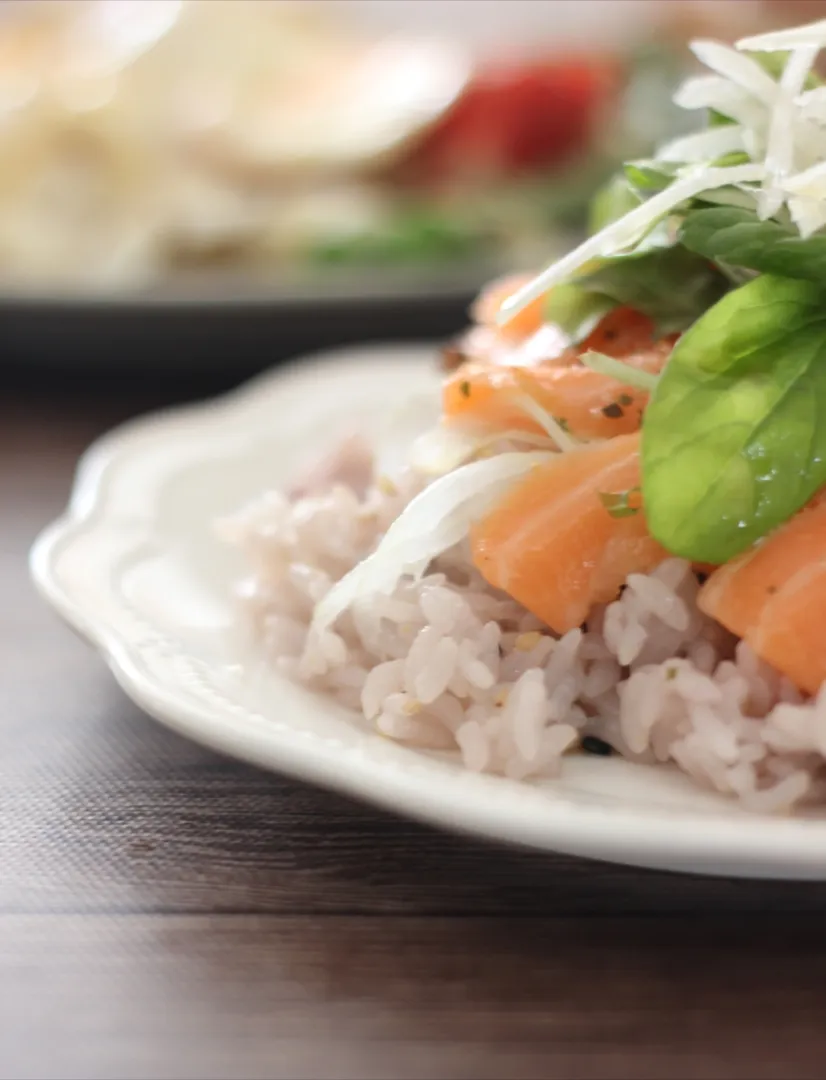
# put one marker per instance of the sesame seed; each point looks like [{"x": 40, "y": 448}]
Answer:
[{"x": 527, "y": 641}]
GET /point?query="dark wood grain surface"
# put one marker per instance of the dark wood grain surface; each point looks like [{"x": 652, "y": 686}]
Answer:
[{"x": 166, "y": 913}]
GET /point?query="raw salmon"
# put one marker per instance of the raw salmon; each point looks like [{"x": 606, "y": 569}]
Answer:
[
  {"x": 774, "y": 596},
  {"x": 552, "y": 544},
  {"x": 486, "y": 308},
  {"x": 589, "y": 405}
]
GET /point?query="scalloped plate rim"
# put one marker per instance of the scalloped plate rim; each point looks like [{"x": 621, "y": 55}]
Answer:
[{"x": 728, "y": 842}]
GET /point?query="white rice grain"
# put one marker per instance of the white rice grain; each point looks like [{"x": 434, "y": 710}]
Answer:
[
  {"x": 432, "y": 681},
  {"x": 385, "y": 679},
  {"x": 473, "y": 742}
]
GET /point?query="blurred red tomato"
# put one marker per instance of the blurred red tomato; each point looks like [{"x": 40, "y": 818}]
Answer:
[{"x": 516, "y": 119}]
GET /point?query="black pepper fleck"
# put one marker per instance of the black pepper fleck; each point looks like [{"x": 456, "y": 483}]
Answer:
[
  {"x": 592, "y": 745},
  {"x": 613, "y": 411},
  {"x": 626, "y": 399},
  {"x": 464, "y": 388}
]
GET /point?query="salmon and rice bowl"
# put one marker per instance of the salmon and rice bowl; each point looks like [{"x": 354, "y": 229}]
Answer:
[{"x": 614, "y": 539}]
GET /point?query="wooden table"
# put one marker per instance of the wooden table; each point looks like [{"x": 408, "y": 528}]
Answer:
[{"x": 166, "y": 913}]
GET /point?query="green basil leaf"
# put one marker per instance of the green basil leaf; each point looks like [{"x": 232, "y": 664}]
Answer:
[
  {"x": 619, "y": 503},
  {"x": 612, "y": 202},
  {"x": 670, "y": 285},
  {"x": 649, "y": 177},
  {"x": 716, "y": 119},
  {"x": 576, "y": 310},
  {"x": 732, "y": 158},
  {"x": 738, "y": 237},
  {"x": 734, "y": 439}
]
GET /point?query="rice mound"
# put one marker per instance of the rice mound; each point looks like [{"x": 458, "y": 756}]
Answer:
[{"x": 447, "y": 663}]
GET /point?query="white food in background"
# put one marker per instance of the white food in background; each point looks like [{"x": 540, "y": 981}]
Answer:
[
  {"x": 133, "y": 131},
  {"x": 366, "y": 106}
]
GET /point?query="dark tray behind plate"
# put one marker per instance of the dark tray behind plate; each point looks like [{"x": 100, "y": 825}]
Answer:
[{"x": 227, "y": 325}]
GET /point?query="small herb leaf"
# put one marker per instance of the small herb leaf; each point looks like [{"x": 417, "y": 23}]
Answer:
[
  {"x": 671, "y": 285},
  {"x": 734, "y": 439},
  {"x": 739, "y": 238},
  {"x": 648, "y": 177},
  {"x": 619, "y": 370},
  {"x": 611, "y": 202},
  {"x": 575, "y": 310},
  {"x": 621, "y": 504}
]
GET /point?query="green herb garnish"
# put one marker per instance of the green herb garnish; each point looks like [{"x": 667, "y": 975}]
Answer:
[
  {"x": 621, "y": 504},
  {"x": 668, "y": 283},
  {"x": 739, "y": 238},
  {"x": 721, "y": 237}
]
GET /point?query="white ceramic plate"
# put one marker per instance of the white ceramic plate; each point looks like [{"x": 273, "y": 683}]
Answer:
[{"x": 133, "y": 565}]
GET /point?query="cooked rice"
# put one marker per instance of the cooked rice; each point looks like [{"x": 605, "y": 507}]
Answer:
[{"x": 447, "y": 663}]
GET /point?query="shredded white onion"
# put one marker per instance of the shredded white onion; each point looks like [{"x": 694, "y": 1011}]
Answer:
[
  {"x": 807, "y": 201},
  {"x": 812, "y": 103},
  {"x": 447, "y": 446},
  {"x": 400, "y": 427},
  {"x": 739, "y": 69},
  {"x": 714, "y": 92},
  {"x": 780, "y": 144},
  {"x": 548, "y": 423},
  {"x": 781, "y": 128},
  {"x": 808, "y": 216},
  {"x": 810, "y": 184},
  {"x": 704, "y": 145},
  {"x": 625, "y": 232},
  {"x": 439, "y": 517},
  {"x": 795, "y": 37}
]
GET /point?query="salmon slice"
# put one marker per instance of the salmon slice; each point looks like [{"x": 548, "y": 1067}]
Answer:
[
  {"x": 488, "y": 303},
  {"x": 552, "y": 545},
  {"x": 589, "y": 405},
  {"x": 774, "y": 597}
]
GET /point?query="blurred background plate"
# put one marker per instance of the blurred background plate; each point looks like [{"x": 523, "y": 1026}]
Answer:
[
  {"x": 220, "y": 184},
  {"x": 210, "y": 323}
]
